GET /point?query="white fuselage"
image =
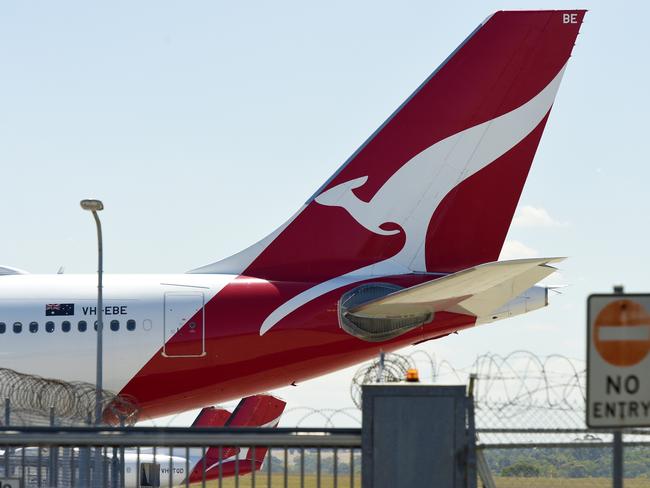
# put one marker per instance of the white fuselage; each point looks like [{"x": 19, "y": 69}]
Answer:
[{"x": 135, "y": 301}]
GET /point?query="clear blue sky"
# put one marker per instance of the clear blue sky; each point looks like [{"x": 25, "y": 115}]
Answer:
[{"x": 203, "y": 125}]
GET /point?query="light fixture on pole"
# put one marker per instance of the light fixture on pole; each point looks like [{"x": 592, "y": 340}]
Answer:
[{"x": 95, "y": 206}]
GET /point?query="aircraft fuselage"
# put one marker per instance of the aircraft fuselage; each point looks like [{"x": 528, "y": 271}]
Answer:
[{"x": 175, "y": 342}]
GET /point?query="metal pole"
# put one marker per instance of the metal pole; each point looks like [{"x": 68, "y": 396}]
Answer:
[
  {"x": 122, "y": 473},
  {"x": 52, "y": 452},
  {"x": 100, "y": 353},
  {"x": 617, "y": 468},
  {"x": 95, "y": 206},
  {"x": 7, "y": 474},
  {"x": 84, "y": 460},
  {"x": 100, "y": 324},
  {"x": 471, "y": 435},
  {"x": 617, "y": 455}
]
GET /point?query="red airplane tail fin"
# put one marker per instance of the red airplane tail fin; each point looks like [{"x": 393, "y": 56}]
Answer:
[
  {"x": 436, "y": 186},
  {"x": 253, "y": 411}
]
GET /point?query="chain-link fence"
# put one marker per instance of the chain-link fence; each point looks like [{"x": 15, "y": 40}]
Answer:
[
  {"x": 531, "y": 431},
  {"x": 529, "y": 416}
]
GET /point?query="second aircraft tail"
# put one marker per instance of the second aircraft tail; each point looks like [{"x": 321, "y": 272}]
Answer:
[{"x": 225, "y": 461}]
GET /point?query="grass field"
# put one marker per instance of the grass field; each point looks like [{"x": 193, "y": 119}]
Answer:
[
  {"x": 512, "y": 482},
  {"x": 327, "y": 481},
  {"x": 293, "y": 481}
]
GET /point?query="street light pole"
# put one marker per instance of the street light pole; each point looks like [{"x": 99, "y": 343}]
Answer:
[
  {"x": 100, "y": 323},
  {"x": 95, "y": 206}
]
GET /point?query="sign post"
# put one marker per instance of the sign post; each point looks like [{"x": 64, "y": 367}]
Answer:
[{"x": 618, "y": 366}]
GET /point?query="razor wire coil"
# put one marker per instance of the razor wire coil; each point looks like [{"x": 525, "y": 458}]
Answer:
[{"x": 33, "y": 400}]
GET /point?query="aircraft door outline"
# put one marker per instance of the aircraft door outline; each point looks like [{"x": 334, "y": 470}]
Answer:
[{"x": 184, "y": 321}]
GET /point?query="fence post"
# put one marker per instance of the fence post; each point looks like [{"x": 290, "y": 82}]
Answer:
[
  {"x": 115, "y": 468},
  {"x": 51, "y": 474},
  {"x": 471, "y": 434},
  {"x": 617, "y": 468},
  {"x": 122, "y": 466},
  {"x": 7, "y": 423},
  {"x": 84, "y": 461}
]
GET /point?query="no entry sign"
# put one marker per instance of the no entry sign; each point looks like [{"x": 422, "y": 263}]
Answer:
[{"x": 618, "y": 360}]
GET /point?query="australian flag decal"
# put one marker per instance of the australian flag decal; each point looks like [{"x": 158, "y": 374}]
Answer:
[{"x": 59, "y": 309}]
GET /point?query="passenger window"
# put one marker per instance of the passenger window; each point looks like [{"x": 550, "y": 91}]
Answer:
[
  {"x": 18, "y": 327},
  {"x": 115, "y": 325},
  {"x": 130, "y": 324},
  {"x": 65, "y": 326},
  {"x": 33, "y": 327},
  {"x": 3, "y": 327},
  {"x": 49, "y": 326},
  {"x": 82, "y": 326},
  {"x": 95, "y": 325}
]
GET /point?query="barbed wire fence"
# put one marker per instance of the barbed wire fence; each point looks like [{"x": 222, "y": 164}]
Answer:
[
  {"x": 529, "y": 412},
  {"x": 33, "y": 400},
  {"x": 529, "y": 415},
  {"x": 524, "y": 391},
  {"x": 520, "y": 389}
]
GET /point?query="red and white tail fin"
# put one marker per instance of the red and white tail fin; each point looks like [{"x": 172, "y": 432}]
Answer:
[
  {"x": 435, "y": 187},
  {"x": 253, "y": 411}
]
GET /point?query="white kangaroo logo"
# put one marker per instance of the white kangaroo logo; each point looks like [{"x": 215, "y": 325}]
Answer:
[
  {"x": 363, "y": 212},
  {"x": 411, "y": 195}
]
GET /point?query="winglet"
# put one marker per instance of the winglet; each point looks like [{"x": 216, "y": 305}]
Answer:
[{"x": 211, "y": 417}]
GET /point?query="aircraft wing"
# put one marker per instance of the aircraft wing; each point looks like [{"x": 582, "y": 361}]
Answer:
[
  {"x": 10, "y": 270},
  {"x": 474, "y": 291}
]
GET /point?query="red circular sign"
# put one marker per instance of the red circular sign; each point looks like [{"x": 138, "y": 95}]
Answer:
[{"x": 621, "y": 333}]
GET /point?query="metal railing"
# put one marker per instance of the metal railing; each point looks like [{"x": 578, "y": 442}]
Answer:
[{"x": 139, "y": 456}]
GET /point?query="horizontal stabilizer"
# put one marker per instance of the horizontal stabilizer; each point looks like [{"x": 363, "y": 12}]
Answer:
[{"x": 474, "y": 291}]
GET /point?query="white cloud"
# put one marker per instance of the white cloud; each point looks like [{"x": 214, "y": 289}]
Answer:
[
  {"x": 517, "y": 250},
  {"x": 529, "y": 216}
]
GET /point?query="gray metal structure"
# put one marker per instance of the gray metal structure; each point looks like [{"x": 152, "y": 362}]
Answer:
[{"x": 416, "y": 435}]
